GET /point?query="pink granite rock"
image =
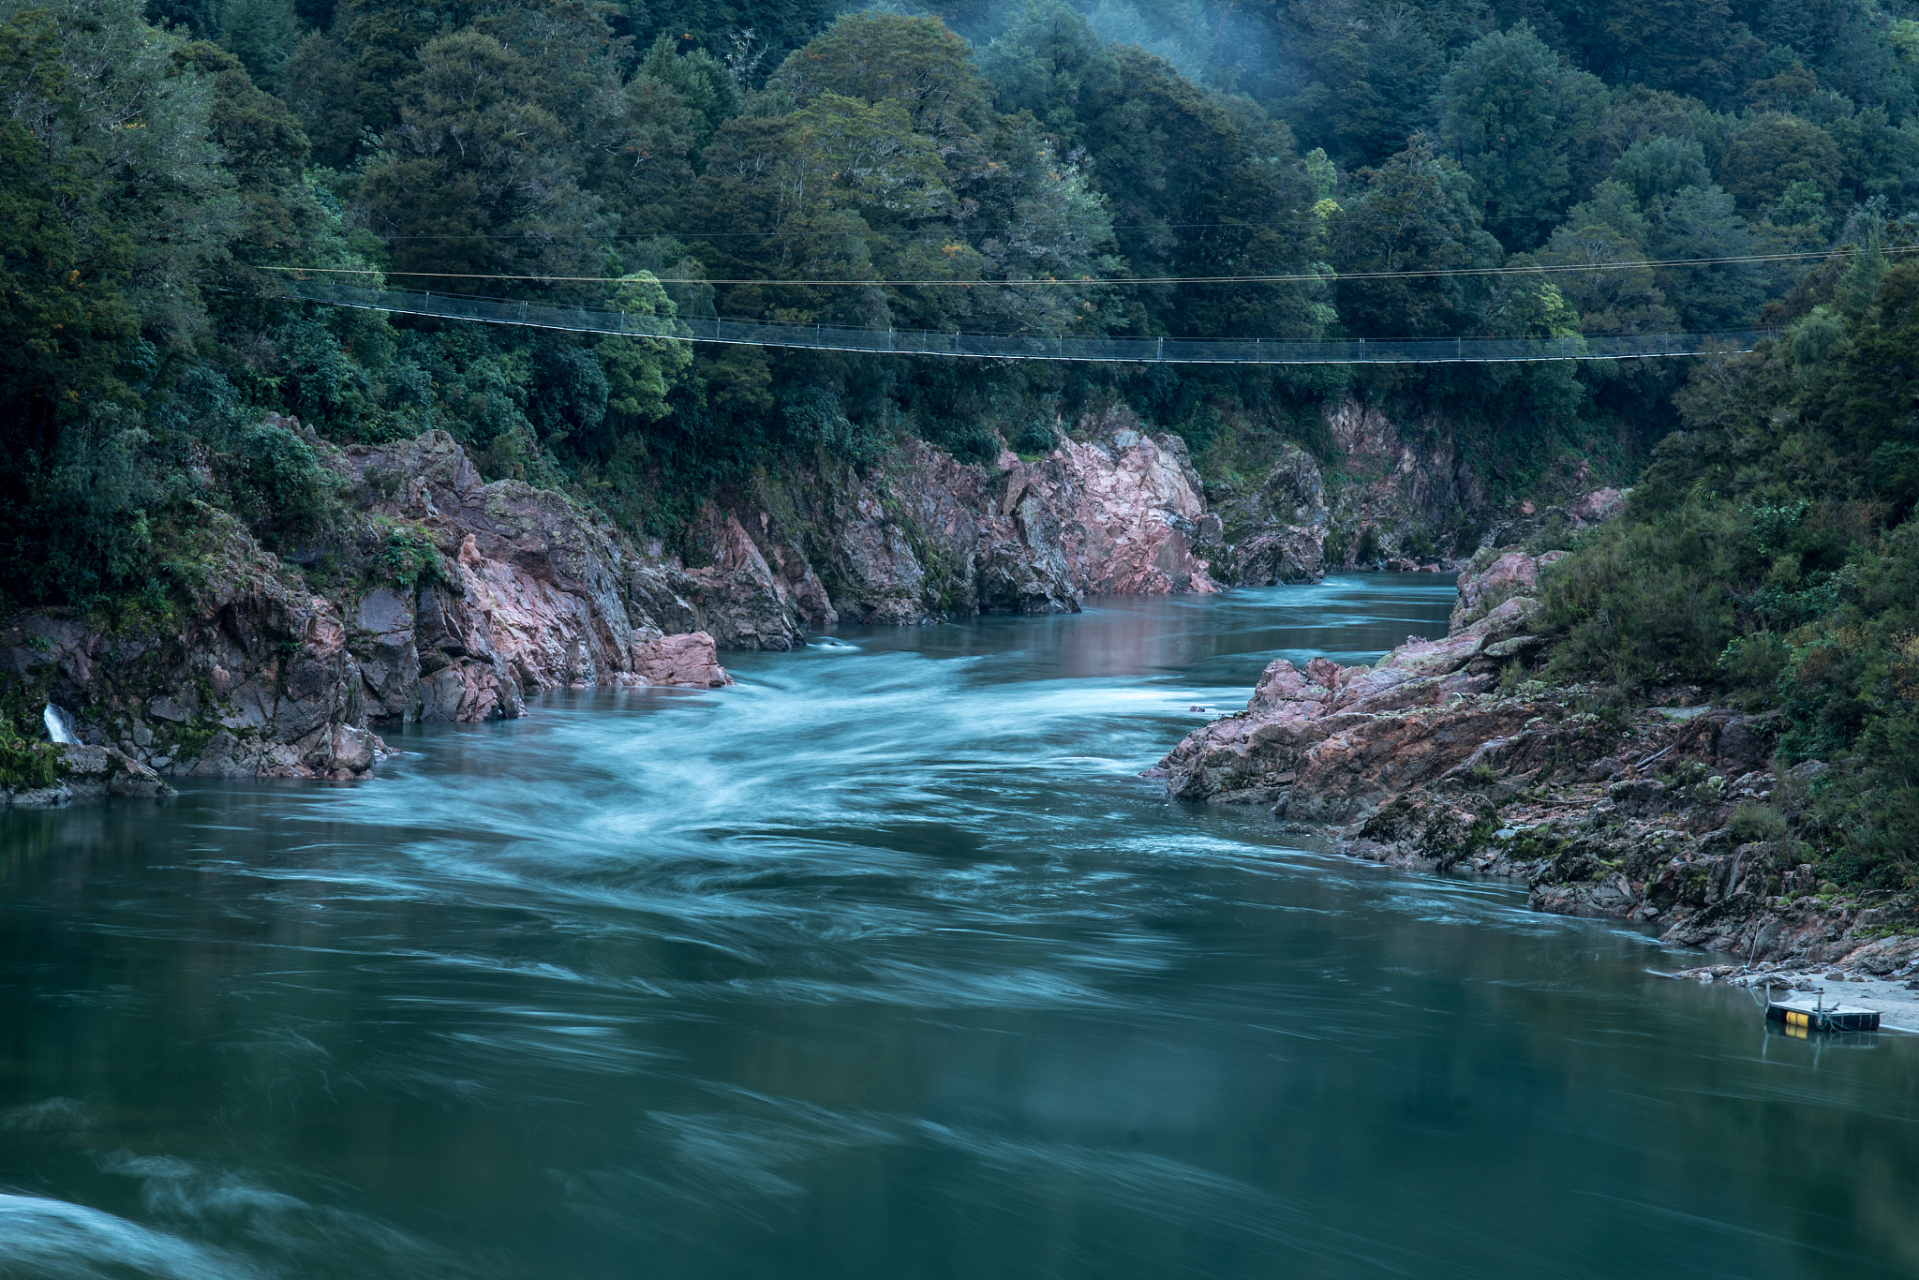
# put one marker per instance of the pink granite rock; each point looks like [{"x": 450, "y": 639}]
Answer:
[{"x": 689, "y": 661}]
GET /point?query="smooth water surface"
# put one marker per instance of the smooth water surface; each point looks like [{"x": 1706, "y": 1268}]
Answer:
[{"x": 884, "y": 963}]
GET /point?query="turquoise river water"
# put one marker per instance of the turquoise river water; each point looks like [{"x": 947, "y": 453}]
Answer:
[{"x": 884, "y": 963}]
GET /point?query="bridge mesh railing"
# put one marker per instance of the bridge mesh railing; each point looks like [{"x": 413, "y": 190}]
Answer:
[{"x": 1026, "y": 346}]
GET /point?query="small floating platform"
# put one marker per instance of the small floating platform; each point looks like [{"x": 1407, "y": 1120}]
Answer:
[{"x": 1803, "y": 1013}]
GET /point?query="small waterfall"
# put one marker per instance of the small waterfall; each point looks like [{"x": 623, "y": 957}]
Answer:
[{"x": 60, "y": 726}]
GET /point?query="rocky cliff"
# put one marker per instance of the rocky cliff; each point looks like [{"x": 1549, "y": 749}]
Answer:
[
  {"x": 440, "y": 596},
  {"x": 449, "y": 599},
  {"x": 1393, "y": 494},
  {"x": 922, "y": 536}
]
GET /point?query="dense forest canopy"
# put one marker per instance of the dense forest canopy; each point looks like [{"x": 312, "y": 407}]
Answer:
[{"x": 1045, "y": 166}]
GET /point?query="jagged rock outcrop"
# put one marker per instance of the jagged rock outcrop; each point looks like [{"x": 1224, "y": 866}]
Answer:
[
  {"x": 536, "y": 595},
  {"x": 1407, "y": 491},
  {"x": 254, "y": 677},
  {"x": 1327, "y": 742},
  {"x": 681, "y": 661},
  {"x": 1396, "y": 494},
  {"x": 924, "y": 536},
  {"x": 1523, "y": 521},
  {"x": 1130, "y": 509},
  {"x": 1494, "y": 578},
  {"x": 505, "y": 590},
  {"x": 1276, "y": 532},
  {"x": 89, "y": 772},
  {"x": 1437, "y": 758},
  {"x": 1324, "y": 743}
]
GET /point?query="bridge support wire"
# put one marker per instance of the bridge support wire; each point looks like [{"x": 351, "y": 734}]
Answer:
[{"x": 1034, "y": 346}]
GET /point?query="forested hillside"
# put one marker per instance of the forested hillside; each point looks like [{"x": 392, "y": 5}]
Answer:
[{"x": 747, "y": 159}]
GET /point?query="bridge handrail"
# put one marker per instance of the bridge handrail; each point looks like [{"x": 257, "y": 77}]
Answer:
[{"x": 1027, "y": 346}]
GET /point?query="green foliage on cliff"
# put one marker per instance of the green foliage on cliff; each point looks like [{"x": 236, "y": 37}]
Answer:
[
  {"x": 409, "y": 559},
  {"x": 1770, "y": 550},
  {"x": 27, "y": 760}
]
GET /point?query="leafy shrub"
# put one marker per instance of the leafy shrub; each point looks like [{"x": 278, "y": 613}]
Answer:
[
  {"x": 815, "y": 420},
  {"x": 1754, "y": 661},
  {"x": 1036, "y": 437},
  {"x": 1644, "y": 597},
  {"x": 25, "y": 761},
  {"x": 1751, "y": 822},
  {"x": 280, "y": 481},
  {"x": 410, "y": 560}
]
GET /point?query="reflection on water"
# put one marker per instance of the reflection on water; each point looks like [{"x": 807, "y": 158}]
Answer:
[{"x": 883, "y": 964}]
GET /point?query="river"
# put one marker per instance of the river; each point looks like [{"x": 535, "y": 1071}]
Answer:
[{"x": 884, "y": 963}]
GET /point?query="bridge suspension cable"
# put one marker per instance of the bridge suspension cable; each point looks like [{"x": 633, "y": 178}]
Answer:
[{"x": 1026, "y": 346}]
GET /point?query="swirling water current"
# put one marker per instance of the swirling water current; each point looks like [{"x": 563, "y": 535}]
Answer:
[{"x": 884, "y": 963}]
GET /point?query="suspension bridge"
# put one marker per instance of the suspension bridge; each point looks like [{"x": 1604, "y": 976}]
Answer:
[{"x": 1026, "y": 346}]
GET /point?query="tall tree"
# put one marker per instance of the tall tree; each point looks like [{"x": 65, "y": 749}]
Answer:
[
  {"x": 1703, "y": 223},
  {"x": 477, "y": 179},
  {"x": 1774, "y": 151},
  {"x": 1413, "y": 214},
  {"x": 1508, "y": 112}
]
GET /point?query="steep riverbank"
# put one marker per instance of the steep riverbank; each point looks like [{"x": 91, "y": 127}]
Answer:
[
  {"x": 1447, "y": 754},
  {"x": 438, "y": 596}
]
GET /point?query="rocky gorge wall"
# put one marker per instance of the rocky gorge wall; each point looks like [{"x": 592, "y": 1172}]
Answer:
[
  {"x": 505, "y": 590},
  {"x": 439, "y": 596},
  {"x": 451, "y": 598},
  {"x": 1395, "y": 493},
  {"x": 922, "y": 536}
]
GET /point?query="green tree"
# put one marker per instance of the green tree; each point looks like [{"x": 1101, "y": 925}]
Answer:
[
  {"x": 262, "y": 34},
  {"x": 1612, "y": 291},
  {"x": 1413, "y": 214},
  {"x": 1703, "y": 223},
  {"x": 795, "y": 193},
  {"x": 1774, "y": 151},
  {"x": 382, "y": 39},
  {"x": 264, "y": 152},
  {"x": 1657, "y": 167},
  {"x": 1205, "y": 186},
  {"x": 477, "y": 179},
  {"x": 72, "y": 491},
  {"x": 127, "y": 124},
  {"x": 1692, "y": 46},
  {"x": 641, "y": 371},
  {"x": 914, "y": 62},
  {"x": 66, "y": 317},
  {"x": 1508, "y": 110},
  {"x": 1375, "y": 76},
  {"x": 1051, "y": 63},
  {"x": 320, "y": 82}
]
